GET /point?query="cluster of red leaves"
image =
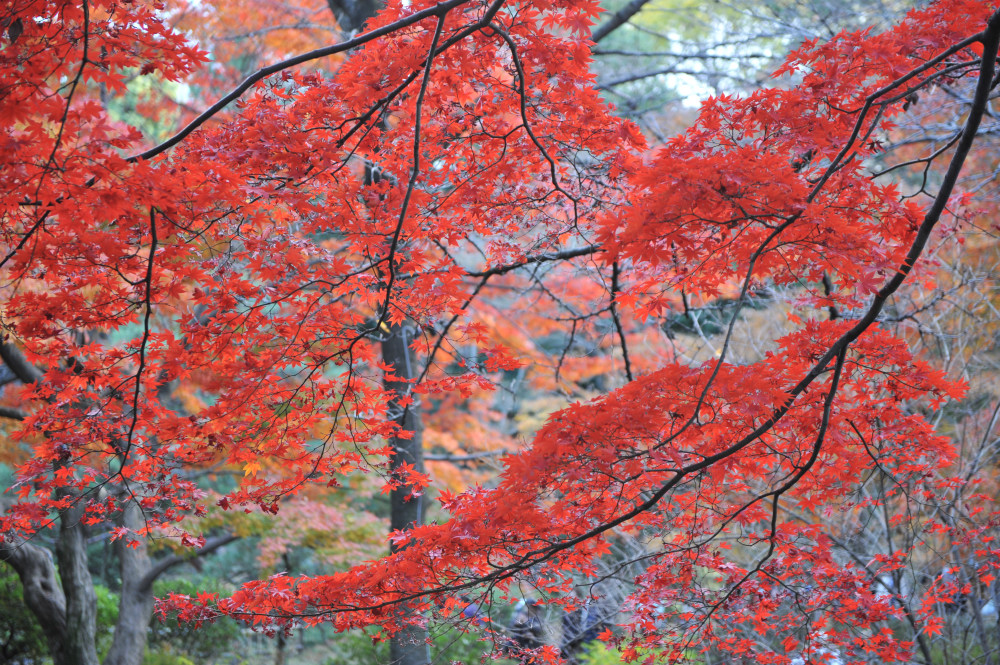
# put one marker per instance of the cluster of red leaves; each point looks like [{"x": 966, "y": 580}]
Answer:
[
  {"x": 254, "y": 257},
  {"x": 257, "y": 258}
]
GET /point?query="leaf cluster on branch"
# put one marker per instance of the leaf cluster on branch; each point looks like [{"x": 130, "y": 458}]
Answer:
[{"x": 222, "y": 300}]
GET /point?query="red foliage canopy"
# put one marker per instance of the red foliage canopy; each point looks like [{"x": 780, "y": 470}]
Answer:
[{"x": 253, "y": 259}]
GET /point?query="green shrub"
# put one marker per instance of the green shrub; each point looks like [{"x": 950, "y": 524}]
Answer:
[
  {"x": 598, "y": 653},
  {"x": 107, "y": 617},
  {"x": 202, "y": 644},
  {"x": 22, "y": 640},
  {"x": 165, "y": 657},
  {"x": 357, "y": 648}
]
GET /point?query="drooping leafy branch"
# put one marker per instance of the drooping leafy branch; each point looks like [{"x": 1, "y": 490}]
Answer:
[{"x": 259, "y": 261}]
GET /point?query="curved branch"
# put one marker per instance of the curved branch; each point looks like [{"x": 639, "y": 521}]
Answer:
[
  {"x": 991, "y": 41},
  {"x": 163, "y": 565},
  {"x": 19, "y": 365},
  {"x": 437, "y": 10},
  {"x": 617, "y": 20}
]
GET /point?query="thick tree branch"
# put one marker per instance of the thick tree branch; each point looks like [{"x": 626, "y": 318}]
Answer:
[
  {"x": 432, "y": 457},
  {"x": 12, "y": 413},
  {"x": 617, "y": 20},
  {"x": 163, "y": 565},
  {"x": 78, "y": 642},
  {"x": 18, "y": 364}
]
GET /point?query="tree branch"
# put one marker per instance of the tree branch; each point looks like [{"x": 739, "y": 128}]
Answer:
[
  {"x": 12, "y": 413},
  {"x": 615, "y": 272},
  {"x": 261, "y": 74},
  {"x": 617, "y": 20},
  {"x": 19, "y": 365},
  {"x": 163, "y": 565}
]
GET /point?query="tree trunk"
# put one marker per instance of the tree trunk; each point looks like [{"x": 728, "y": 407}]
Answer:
[
  {"x": 352, "y": 14},
  {"x": 41, "y": 589},
  {"x": 408, "y": 646},
  {"x": 68, "y": 614},
  {"x": 135, "y": 607},
  {"x": 78, "y": 587}
]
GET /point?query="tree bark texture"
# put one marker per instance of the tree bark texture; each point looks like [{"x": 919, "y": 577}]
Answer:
[
  {"x": 135, "y": 607},
  {"x": 408, "y": 646}
]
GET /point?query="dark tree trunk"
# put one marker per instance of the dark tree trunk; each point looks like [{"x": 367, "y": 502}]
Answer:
[
  {"x": 352, "y": 14},
  {"x": 78, "y": 587},
  {"x": 42, "y": 593},
  {"x": 67, "y": 613},
  {"x": 409, "y": 646},
  {"x": 135, "y": 607}
]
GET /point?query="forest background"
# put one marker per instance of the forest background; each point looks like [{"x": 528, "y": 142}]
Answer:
[{"x": 248, "y": 344}]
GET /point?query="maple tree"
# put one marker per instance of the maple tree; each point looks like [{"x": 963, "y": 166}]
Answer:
[{"x": 319, "y": 255}]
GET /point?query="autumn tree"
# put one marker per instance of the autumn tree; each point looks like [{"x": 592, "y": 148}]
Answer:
[{"x": 255, "y": 257}]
